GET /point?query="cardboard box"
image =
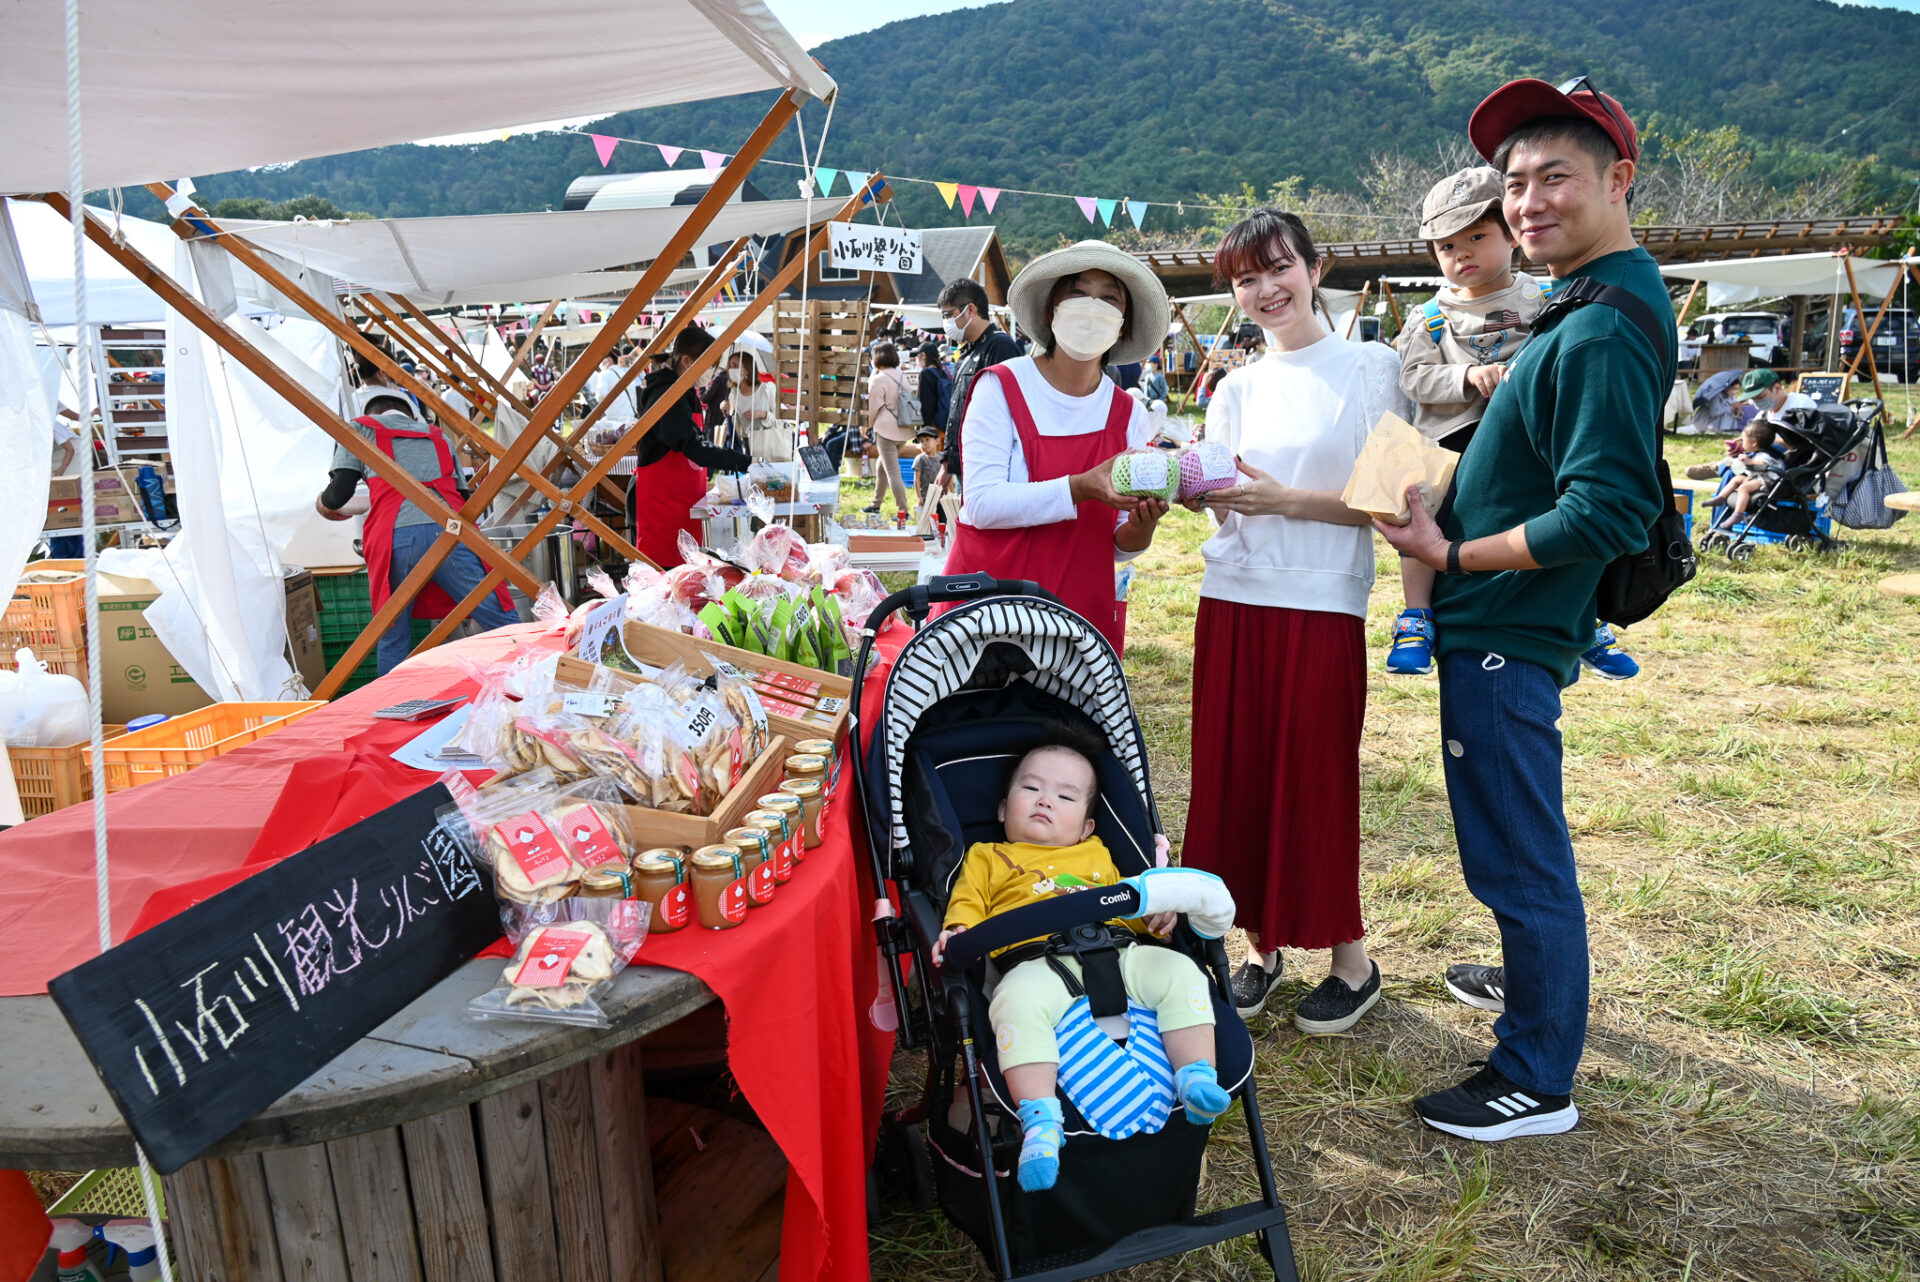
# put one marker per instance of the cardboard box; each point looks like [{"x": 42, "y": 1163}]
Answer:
[
  {"x": 303, "y": 626},
  {"x": 137, "y": 675},
  {"x": 114, "y": 503}
]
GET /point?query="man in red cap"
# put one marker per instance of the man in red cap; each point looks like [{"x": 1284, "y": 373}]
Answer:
[{"x": 1560, "y": 480}]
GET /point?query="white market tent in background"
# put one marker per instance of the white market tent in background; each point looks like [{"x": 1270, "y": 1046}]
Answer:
[
  {"x": 205, "y": 86},
  {"x": 1742, "y": 280},
  {"x": 114, "y": 297},
  {"x": 492, "y": 258}
]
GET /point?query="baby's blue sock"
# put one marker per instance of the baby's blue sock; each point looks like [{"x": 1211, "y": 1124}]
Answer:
[
  {"x": 1198, "y": 1087},
  {"x": 1042, "y": 1124}
]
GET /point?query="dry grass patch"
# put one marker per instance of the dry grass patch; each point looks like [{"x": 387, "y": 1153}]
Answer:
[{"x": 1747, "y": 815}]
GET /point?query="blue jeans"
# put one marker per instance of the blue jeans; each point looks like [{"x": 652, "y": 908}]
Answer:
[
  {"x": 458, "y": 575},
  {"x": 1501, "y": 751}
]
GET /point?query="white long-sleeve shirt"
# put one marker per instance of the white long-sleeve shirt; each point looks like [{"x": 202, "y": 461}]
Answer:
[
  {"x": 1302, "y": 417},
  {"x": 998, "y": 494}
]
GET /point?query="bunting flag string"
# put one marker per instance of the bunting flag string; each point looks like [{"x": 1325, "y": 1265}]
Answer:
[{"x": 1096, "y": 209}]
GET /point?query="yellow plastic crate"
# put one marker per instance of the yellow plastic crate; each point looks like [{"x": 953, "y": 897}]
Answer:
[
  {"x": 47, "y": 616},
  {"x": 50, "y": 779},
  {"x": 180, "y": 743}
]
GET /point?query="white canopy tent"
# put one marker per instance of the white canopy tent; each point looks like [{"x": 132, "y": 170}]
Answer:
[
  {"x": 205, "y": 86},
  {"x": 114, "y": 297},
  {"x": 493, "y": 258},
  {"x": 1742, "y": 280}
]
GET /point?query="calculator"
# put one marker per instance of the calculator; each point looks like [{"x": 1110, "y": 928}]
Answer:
[{"x": 417, "y": 709}]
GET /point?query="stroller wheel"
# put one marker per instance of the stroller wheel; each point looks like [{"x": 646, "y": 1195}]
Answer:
[
  {"x": 1741, "y": 552},
  {"x": 1796, "y": 543},
  {"x": 920, "y": 1173}
]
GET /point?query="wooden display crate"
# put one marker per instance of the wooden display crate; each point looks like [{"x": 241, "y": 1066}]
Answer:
[{"x": 650, "y": 828}]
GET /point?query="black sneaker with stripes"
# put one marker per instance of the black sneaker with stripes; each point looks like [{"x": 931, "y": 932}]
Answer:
[
  {"x": 1487, "y": 1107},
  {"x": 1483, "y": 987}
]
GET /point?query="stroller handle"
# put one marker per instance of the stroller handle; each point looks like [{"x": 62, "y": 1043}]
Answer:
[{"x": 942, "y": 589}]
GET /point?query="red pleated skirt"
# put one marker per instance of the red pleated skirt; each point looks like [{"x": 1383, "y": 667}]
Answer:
[{"x": 1278, "y": 700}]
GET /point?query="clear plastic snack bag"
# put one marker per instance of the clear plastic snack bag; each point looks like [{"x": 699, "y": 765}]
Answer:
[{"x": 560, "y": 971}]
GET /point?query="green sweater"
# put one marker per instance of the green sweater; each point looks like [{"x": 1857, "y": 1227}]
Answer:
[{"x": 1567, "y": 449}]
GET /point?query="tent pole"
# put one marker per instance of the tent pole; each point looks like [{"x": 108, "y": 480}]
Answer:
[
  {"x": 296, "y": 394},
  {"x": 196, "y": 224},
  {"x": 547, "y": 412},
  {"x": 417, "y": 327},
  {"x": 435, "y": 361},
  {"x": 1359, "y": 305},
  {"x": 1386, "y": 292},
  {"x": 658, "y": 343},
  {"x": 1866, "y": 339},
  {"x": 1686, "y": 306},
  {"x": 874, "y": 190},
  {"x": 1199, "y": 358}
]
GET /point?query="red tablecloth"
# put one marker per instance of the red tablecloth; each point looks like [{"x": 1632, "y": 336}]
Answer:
[{"x": 796, "y": 980}]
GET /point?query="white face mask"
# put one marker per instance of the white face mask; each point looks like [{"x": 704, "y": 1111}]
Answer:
[
  {"x": 955, "y": 327},
  {"x": 1086, "y": 328}
]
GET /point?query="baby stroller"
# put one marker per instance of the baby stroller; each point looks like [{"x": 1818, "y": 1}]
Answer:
[
  {"x": 1823, "y": 446},
  {"x": 968, "y": 695}
]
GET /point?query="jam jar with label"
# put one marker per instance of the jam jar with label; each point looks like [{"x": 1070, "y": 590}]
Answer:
[
  {"x": 781, "y": 837},
  {"x": 812, "y": 795},
  {"x": 789, "y": 808},
  {"x": 719, "y": 887},
  {"x": 756, "y": 856},
  {"x": 660, "y": 878}
]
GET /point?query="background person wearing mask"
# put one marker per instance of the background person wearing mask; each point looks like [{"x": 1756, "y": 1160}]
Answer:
[
  {"x": 963, "y": 317},
  {"x": 397, "y": 532},
  {"x": 669, "y": 475}
]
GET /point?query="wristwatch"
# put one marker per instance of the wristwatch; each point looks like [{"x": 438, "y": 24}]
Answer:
[{"x": 1453, "y": 557}]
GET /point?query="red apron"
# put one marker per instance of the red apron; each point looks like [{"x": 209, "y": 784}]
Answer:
[
  {"x": 1072, "y": 559},
  {"x": 376, "y": 534},
  {"x": 663, "y": 494}
]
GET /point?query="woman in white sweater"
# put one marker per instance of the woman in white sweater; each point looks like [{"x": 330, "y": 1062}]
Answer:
[{"x": 1280, "y": 681}]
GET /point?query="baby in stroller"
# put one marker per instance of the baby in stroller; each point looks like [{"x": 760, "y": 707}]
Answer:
[
  {"x": 1051, "y": 850},
  {"x": 1746, "y": 473}
]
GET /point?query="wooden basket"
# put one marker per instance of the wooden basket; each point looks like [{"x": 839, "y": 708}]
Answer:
[{"x": 180, "y": 743}]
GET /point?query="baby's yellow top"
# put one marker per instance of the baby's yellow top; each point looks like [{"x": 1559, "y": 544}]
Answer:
[{"x": 998, "y": 876}]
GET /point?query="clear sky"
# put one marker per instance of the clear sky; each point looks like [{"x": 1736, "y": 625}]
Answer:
[{"x": 813, "y": 21}]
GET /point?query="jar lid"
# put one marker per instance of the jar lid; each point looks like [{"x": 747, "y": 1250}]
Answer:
[
  {"x": 672, "y": 854},
  {"x": 806, "y": 763},
  {"x": 602, "y": 881},
  {"x": 764, "y": 819},
  {"x": 657, "y": 861},
  {"x": 746, "y": 832},
  {"x": 716, "y": 857},
  {"x": 815, "y": 747},
  {"x": 801, "y": 788},
  {"x": 778, "y": 801}
]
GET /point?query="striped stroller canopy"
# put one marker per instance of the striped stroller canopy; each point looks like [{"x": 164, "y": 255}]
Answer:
[{"x": 1070, "y": 660}]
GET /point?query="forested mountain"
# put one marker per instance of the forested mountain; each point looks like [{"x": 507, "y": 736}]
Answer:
[{"x": 1170, "y": 99}]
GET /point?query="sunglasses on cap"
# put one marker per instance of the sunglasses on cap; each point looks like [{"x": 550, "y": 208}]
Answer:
[{"x": 1627, "y": 138}]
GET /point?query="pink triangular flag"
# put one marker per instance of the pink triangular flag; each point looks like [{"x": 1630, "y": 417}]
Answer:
[
  {"x": 669, "y": 154},
  {"x": 988, "y": 195},
  {"x": 713, "y": 159},
  {"x": 966, "y": 198},
  {"x": 603, "y": 146},
  {"x": 1088, "y": 206}
]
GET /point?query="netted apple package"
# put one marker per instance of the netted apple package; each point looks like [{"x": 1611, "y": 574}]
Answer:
[
  {"x": 1206, "y": 466},
  {"x": 1149, "y": 473},
  {"x": 1394, "y": 457}
]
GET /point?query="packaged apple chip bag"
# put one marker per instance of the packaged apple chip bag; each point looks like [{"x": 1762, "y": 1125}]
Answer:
[{"x": 1394, "y": 457}]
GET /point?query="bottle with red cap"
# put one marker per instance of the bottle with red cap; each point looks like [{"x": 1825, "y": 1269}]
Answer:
[{"x": 72, "y": 1263}]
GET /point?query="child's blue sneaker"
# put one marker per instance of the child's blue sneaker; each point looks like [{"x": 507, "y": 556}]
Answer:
[
  {"x": 1043, "y": 1128},
  {"x": 1198, "y": 1087},
  {"x": 1412, "y": 650},
  {"x": 1607, "y": 658}
]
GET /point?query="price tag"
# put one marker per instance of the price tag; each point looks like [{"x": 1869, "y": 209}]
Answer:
[
  {"x": 588, "y": 703},
  {"x": 550, "y": 959}
]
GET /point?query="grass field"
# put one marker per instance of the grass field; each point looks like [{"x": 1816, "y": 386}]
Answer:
[{"x": 1747, "y": 815}]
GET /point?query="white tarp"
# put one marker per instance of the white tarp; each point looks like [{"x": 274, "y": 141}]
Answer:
[
  {"x": 114, "y": 297},
  {"x": 1742, "y": 280},
  {"x": 204, "y": 86},
  {"x": 441, "y": 262}
]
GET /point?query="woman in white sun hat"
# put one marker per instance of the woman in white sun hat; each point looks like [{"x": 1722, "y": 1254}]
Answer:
[{"x": 1040, "y": 434}]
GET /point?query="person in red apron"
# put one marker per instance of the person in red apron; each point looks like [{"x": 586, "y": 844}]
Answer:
[
  {"x": 1040, "y": 432},
  {"x": 397, "y": 532},
  {"x": 671, "y": 460}
]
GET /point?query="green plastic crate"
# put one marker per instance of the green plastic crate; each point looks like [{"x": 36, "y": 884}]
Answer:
[{"x": 332, "y": 648}]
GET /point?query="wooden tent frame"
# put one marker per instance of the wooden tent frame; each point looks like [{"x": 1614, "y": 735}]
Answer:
[{"x": 874, "y": 191}]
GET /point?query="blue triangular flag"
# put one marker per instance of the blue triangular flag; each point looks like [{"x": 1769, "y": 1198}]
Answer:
[
  {"x": 826, "y": 177},
  {"x": 1137, "y": 210},
  {"x": 1106, "y": 208}
]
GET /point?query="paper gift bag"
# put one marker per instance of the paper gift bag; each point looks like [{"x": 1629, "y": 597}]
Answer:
[{"x": 1395, "y": 456}]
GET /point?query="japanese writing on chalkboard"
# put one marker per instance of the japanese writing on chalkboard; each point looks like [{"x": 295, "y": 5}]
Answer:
[
  {"x": 204, "y": 1019},
  {"x": 863, "y": 247}
]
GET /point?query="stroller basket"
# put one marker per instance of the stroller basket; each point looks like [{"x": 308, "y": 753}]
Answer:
[{"x": 968, "y": 695}]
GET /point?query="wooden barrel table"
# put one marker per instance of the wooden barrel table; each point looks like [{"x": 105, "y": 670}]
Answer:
[{"x": 436, "y": 1149}]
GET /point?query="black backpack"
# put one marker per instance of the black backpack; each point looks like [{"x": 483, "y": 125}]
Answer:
[{"x": 1633, "y": 586}]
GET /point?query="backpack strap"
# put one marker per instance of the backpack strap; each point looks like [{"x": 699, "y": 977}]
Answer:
[{"x": 1436, "y": 323}]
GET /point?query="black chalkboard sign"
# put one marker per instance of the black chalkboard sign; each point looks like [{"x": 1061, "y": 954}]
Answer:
[
  {"x": 207, "y": 1018},
  {"x": 1827, "y": 389}
]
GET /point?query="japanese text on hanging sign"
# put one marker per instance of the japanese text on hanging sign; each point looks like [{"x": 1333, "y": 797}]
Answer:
[{"x": 865, "y": 247}]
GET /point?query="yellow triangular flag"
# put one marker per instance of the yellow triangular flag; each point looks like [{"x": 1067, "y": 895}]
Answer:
[{"x": 948, "y": 191}]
